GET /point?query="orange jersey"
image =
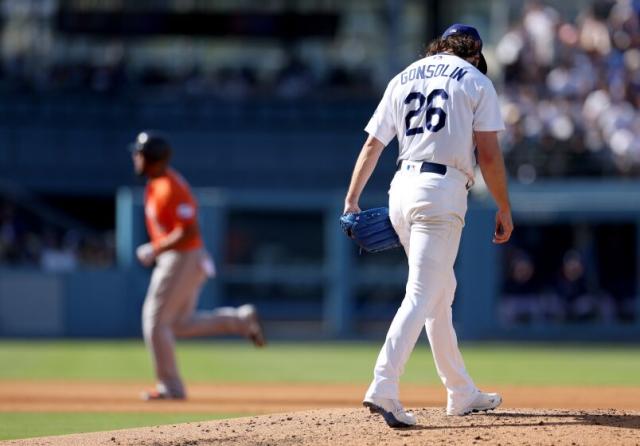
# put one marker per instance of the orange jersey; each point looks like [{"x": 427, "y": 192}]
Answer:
[{"x": 168, "y": 203}]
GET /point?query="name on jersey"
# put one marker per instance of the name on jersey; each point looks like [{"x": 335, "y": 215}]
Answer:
[{"x": 431, "y": 70}]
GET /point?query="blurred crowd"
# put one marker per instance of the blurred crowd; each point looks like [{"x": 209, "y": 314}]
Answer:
[
  {"x": 547, "y": 280},
  {"x": 566, "y": 296},
  {"x": 570, "y": 86},
  {"x": 571, "y": 94},
  {"x": 294, "y": 80},
  {"x": 26, "y": 241}
]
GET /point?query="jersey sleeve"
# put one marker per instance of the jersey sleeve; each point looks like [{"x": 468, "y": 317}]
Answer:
[
  {"x": 176, "y": 204},
  {"x": 184, "y": 207},
  {"x": 487, "y": 116},
  {"x": 381, "y": 125}
]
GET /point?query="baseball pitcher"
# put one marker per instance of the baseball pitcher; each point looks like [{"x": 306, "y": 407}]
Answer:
[
  {"x": 181, "y": 267},
  {"x": 442, "y": 108}
]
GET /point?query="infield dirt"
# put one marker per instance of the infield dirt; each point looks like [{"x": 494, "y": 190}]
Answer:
[
  {"x": 555, "y": 415},
  {"x": 359, "y": 428}
]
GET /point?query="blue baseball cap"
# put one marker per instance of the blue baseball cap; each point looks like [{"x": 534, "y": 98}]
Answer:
[{"x": 466, "y": 30}]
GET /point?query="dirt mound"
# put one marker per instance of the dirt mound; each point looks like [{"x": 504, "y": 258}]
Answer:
[{"x": 357, "y": 427}]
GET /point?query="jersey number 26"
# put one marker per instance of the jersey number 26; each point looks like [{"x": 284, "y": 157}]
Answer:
[{"x": 430, "y": 112}]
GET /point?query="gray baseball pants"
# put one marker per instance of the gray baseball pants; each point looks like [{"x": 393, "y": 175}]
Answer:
[{"x": 169, "y": 312}]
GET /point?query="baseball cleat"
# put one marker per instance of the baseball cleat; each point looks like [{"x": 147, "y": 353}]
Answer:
[
  {"x": 254, "y": 332},
  {"x": 482, "y": 402},
  {"x": 155, "y": 395},
  {"x": 391, "y": 410}
]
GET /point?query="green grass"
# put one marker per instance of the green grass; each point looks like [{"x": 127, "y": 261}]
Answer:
[
  {"x": 516, "y": 364},
  {"x": 38, "y": 424},
  {"x": 208, "y": 361}
]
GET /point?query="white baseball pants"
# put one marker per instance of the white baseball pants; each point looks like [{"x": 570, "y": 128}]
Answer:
[{"x": 427, "y": 211}]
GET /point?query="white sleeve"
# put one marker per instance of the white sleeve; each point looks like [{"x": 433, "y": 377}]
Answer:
[
  {"x": 381, "y": 125},
  {"x": 487, "y": 116}
]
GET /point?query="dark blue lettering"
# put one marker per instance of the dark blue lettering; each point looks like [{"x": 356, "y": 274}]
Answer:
[
  {"x": 429, "y": 72},
  {"x": 459, "y": 74},
  {"x": 407, "y": 119},
  {"x": 432, "y": 111}
]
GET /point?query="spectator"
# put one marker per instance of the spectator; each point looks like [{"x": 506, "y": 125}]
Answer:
[
  {"x": 56, "y": 256},
  {"x": 27, "y": 241},
  {"x": 520, "y": 299},
  {"x": 582, "y": 301},
  {"x": 572, "y": 102}
]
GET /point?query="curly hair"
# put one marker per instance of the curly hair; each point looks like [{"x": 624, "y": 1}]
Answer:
[{"x": 462, "y": 46}]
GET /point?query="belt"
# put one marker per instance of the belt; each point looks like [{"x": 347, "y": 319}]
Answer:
[{"x": 428, "y": 166}]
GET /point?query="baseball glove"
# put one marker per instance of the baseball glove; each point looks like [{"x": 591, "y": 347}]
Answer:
[{"x": 371, "y": 229}]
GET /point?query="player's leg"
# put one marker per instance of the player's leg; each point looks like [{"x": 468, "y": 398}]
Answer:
[
  {"x": 385, "y": 402},
  {"x": 397, "y": 209},
  {"x": 158, "y": 315},
  {"x": 449, "y": 363},
  {"x": 429, "y": 259},
  {"x": 462, "y": 394},
  {"x": 241, "y": 321},
  {"x": 442, "y": 335},
  {"x": 397, "y": 196}
]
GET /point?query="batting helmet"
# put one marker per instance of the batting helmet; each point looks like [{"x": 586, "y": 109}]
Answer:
[{"x": 152, "y": 145}]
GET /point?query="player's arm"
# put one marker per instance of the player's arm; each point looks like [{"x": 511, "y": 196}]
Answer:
[
  {"x": 178, "y": 235},
  {"x": 366, "y": 163},
  {"x": 148, "y": 252},
  {"x": 184, "y": 211},
  {"x": 491, "y": 164},
  {"x": 182, "y": 208},
  {"x": 381, "y": 130}
]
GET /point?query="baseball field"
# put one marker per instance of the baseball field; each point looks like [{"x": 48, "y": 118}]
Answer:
[{"x": 309, "y": 393}]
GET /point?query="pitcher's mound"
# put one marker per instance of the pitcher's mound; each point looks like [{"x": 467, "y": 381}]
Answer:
[{"x": 355, "y": 427}]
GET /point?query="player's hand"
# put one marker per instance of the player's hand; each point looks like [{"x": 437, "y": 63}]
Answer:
[
  {"x": 504, "y": 227},
  {"x": 146, "y": 254},
  {"x": 350, "y": 208}
]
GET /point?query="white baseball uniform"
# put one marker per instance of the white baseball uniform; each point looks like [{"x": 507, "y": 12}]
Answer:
[{"x": 433, "y": 107}]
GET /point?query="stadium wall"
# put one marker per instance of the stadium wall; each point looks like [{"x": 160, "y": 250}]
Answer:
[{"x": 107, "y": 303}]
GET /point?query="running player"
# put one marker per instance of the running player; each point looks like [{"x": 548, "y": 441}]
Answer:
[
  {"x": 181, "y": 268},
  {"x": 440, "y": 108}
]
